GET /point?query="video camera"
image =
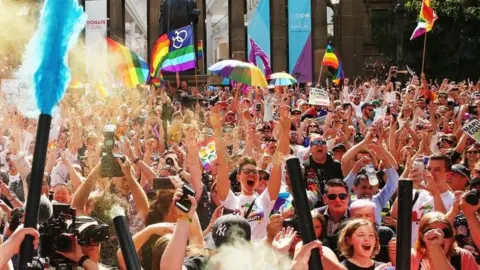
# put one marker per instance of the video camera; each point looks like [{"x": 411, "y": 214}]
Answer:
[
  {"x": 59, "y": 232},
  {"x": 110, "y": 166}
]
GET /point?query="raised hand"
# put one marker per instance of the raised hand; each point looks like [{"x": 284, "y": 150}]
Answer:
[
  {"x": 283, "y": 240},
  {"x": 215, "y": 118}
]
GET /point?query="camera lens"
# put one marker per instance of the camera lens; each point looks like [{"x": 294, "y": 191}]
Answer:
[
  {"x": 169, "y": 161},
  {"x": 472, "y": 197},
  {"x": 62, "y": 243}
]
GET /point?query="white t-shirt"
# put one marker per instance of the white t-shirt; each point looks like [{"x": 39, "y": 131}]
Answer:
[
  {"x": 424, "y": 205},
  {"x": 259, "y": 215}
]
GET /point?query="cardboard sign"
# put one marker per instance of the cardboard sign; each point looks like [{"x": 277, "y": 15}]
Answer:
[
  {"x": 472, "y": 128},
  {"x": 319, "y": 97}
]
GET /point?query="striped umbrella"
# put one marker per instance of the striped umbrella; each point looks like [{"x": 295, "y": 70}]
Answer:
[
  {"x": 240, "y": 72},
  {"x": 282, "y": 79}
]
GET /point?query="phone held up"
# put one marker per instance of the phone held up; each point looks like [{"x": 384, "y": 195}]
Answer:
[{"x": 184, "y": 203}]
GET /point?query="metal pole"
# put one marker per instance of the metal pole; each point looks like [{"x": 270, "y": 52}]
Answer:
[{"x": 400, "y": 14}]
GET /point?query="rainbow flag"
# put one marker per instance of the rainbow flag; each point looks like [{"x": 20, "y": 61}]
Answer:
[
  {"x": 337, "y": 78},
  {"x": 157, "y": 81},
  {"x": 133, "y": 68},
  {"x": 200, "y": 49},
  {"x": 181, "y": 55},
  {"x": 330, "y": 59},
  {"x": 425, "y": 21},
  {"x": 160, "y": 51},
  {"x": 102, "y": 90}
]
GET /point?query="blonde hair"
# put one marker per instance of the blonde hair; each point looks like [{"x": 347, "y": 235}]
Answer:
[
  {"x": 344, "y": 245},
  {"x": 428, "y": 219}
]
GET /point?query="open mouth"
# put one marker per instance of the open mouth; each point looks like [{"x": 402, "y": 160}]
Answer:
[
  {"x": 367, "y": 247},
  {"x": 250, "y": 183}
]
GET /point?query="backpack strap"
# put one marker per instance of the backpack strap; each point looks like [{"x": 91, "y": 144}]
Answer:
[{"x": 249, "y": 209}]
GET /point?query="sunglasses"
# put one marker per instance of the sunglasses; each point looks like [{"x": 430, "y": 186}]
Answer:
[
  {"x": 264, "y": 177},
  {"x": 296, "y": 113},
  {"x": 342, "y": 196},
  {"x": 447, "y": 232},
  {"x": 318, "y": 142},
  {"x": 249, "y": 171}
]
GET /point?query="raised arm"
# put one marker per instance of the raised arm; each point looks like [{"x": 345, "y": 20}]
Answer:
[
  {"x": 80, "y": 197},
  {"x": 139, "y": 197},
  {"x": 223, "y": 183},
  {"x": 193, "y": 162}
]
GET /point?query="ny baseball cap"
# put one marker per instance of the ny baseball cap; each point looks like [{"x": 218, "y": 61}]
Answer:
[{"x": 229, "y": 229}]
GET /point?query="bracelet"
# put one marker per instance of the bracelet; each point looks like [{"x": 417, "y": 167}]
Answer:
[
  {"x": 180, "y": 171},
  {"x": 82, "y": 260},
  {"x": 185, "y": 218},
  {"x": 136, "y": 160}
]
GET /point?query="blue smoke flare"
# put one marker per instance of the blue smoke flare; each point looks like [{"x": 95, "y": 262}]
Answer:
[{"x": 61, "y": 22}]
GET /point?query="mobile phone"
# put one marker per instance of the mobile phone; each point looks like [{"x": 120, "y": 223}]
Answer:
[
  {"x": 228, "y": 211},
  {"x": 162, "y": 183},
  {"x": 472, "y": 110},
  {"x": 418, "y": 165},
  {"x": 184, "y": 203}
]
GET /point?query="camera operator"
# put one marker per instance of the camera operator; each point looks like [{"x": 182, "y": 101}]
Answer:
[
  {"x": 11, "y": 247},
  {"x": 84, "y": 256},
  {"x": 464, "y": 216}
]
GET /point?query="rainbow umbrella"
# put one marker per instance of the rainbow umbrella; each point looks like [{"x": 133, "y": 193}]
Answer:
[
  {"x": 282, "y": 79},
  {"x": 240, "y": 72}
]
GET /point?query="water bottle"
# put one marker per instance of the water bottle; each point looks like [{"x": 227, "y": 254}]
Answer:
[{"x": 372, "y": 175}]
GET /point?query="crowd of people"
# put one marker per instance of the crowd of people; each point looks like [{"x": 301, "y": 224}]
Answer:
[{"x": 234, "y": 209}]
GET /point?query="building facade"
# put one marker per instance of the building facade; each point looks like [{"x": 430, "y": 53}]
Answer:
[{"x": 224, "y": 30}]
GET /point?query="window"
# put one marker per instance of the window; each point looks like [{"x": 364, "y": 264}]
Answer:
[{"x": 330, "y": 24}]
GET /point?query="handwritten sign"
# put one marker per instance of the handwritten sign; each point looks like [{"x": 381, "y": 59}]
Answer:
[
  {"x": 472, "y": 128},
  {"x": 319, "y": 97}
]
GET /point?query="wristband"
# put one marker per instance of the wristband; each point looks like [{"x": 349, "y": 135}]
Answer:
[
  {"x": 136, "y": 160},
  {"x": 185, "y": 218},
  {"x": 82, "y": 260},
  {"x": 180, "y": 171}
]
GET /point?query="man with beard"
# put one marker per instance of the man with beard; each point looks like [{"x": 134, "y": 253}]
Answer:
[{"x": 320, "y": 166}]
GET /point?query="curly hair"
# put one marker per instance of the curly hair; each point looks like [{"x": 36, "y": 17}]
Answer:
[{"x": 344, "y": 245}]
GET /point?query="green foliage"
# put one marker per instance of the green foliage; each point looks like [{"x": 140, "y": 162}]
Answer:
[{"x": 452, "y": 45}]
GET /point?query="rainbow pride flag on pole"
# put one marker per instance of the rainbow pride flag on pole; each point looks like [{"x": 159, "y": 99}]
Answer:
[
  {"x": 200, "y": 49},
  {"x": 181, "y": 54},
  {"x": 133, "y": 68},
  {"x": 330, "y": 59},
  {"x": 426, "y": 20},
  {"x": 160, "y": 51}
]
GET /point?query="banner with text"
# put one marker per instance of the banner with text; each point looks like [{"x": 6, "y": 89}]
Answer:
[
  {"x": 300, "y": 39},
  {"x": 95, "y": 34},
  {"x": 319, "y": 97},
  {"x": 259, "y": 27},
  {"x": 473, "y": 129}
]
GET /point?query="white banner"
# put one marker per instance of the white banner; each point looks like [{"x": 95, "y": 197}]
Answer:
[
  {"x": 95, "y": 34},
  {"x": 319, "y": 97},
  {"x": 472, "y": 128}
]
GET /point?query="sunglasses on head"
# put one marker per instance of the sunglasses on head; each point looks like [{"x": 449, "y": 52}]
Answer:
[
  {"x": 447, "y": 232},
  {"x": 342, "y": 196},
  {"x": 318, "y": 142},
  {"x": 249, "y": 171}
]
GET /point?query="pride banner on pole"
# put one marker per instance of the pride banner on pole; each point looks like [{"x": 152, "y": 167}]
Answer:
[
  {"x": 259, "y": 27},
  {"x": 300, "y": 40}
]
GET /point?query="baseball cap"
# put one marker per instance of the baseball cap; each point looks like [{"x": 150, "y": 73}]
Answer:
[
  {"x": 366, "y": 104},
  {"x": 475, "y": 181},
  {"x": 230, "y": 228},
  {"x": 462, "y": 170},
  {"x": 340, "y": 146}
]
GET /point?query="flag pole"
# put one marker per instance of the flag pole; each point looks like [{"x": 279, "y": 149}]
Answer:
[
  {"x": 320, "y": 75},
  {"x": 424, "y": 51}
]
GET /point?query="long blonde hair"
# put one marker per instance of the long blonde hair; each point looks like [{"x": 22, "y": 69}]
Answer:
[{"x": 347, "y": 232}]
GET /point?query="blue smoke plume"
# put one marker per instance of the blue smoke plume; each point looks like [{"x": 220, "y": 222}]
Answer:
[{"x": 61, "y": 22}]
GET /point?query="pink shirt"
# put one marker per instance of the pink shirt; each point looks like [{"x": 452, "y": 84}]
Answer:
[{"x": 467, "y": 260}]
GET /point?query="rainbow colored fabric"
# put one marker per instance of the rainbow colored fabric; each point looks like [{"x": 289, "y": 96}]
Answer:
[
  {"x": 160, "y": 51},
  {"x": 181, "y": 54},
  {"x": 131, "y": 66},
  {"x": 200, "y": 49},
  {"x": 426, "y": 20},
  {"x": 330, "y": 59}
]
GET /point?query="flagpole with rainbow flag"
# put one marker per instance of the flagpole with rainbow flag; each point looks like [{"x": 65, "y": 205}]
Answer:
[
  {"x": 426, "y": 20},
  {"x": 331, "y": 59}
]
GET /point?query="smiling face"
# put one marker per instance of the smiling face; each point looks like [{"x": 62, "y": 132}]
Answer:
[
  {"x": 447, "y": 232},
  {"x": 248, "y": 178},
  {"x": 62, "y": 194},
  {"x": 318, "y": 148},
  {"x": 363, "y": 241}
]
